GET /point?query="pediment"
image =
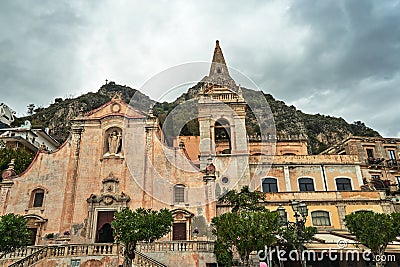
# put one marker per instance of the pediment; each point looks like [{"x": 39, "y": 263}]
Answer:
[
  {"x": 115, "y": 107},
  {"x": 181, "y": 214}
]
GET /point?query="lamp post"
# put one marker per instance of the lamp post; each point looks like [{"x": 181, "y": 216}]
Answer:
[{"x": 300, "y": 211}]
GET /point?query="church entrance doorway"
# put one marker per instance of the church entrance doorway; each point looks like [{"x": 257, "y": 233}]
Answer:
[
  {"x": 32, "y": 240},
  {"x": 179, "y": 231},
  {"x": 104, "y": 232}
]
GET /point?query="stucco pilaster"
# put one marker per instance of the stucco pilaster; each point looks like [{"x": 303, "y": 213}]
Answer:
[
  {"x": 72, "y": 173},
  {"x": 287, "y": 178},
  {"x": 341, "y": 209},
  {"x": 5, "y": 188}
]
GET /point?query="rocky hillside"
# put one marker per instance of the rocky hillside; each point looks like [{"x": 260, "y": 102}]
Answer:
[
  {"x": 320, "y": 131},
  {"x": 56, "y": 117}
]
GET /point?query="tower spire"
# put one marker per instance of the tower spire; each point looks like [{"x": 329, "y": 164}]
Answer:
[
  {"x": 219, "y": 73},
  {"x": 218, "y": 56}
]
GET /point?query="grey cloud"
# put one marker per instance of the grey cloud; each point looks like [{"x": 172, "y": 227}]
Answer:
[
  {"x": 38, "y": 60},
  {"x": 349, "y": 42},
  {"x": 333, "y": 57}
]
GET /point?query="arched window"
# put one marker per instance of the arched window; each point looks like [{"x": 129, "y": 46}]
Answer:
[
  {"x": 37, "y": 198},
  {"x": 320, "y": 218},
  {"x": 343, "y": 184},
  {"x": 306, "y": 184},
  {"x": 269, "y": 185},
  {"x": 179, "y": 193}
]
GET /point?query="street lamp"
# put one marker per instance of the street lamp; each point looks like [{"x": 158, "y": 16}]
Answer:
[
  {"x": 282, "y": 214},
  {"x": 303, "y": 210},
  {"x": 300, "y": 211},
  {"x": 295, "y": 206}
]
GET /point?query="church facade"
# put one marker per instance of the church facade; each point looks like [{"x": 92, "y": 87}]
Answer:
[{"x": 116, "y": 157}]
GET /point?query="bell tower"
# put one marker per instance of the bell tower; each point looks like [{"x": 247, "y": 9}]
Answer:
[{"x": 222, "y": 113}]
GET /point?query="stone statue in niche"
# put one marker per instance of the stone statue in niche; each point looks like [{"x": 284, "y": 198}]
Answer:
[{"x": 114, "y": 142}]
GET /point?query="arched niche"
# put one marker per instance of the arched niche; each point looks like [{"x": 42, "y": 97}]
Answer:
[{"x": 113, "y": 142}]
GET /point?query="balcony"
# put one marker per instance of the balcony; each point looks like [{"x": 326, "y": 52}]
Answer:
[
  {"x": 386, "y": 185},
  {"x": 379, "y": 163},
  {"x": 376, "y": 163},
  {"x": 392, "y": 164}
]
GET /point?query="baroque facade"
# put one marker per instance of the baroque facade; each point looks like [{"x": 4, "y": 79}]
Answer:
[{"x": 116, "y": 157}]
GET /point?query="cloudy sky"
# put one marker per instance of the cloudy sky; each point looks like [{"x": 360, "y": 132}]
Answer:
[{"x": 335, "y": 57}]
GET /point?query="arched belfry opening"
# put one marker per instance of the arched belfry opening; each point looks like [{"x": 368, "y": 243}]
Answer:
[{"x": 222, "y": 137}]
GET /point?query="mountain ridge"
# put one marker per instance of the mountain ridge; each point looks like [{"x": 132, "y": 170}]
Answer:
[{"x": 321, "y": 131}]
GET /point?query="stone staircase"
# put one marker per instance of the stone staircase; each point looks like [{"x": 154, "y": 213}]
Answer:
[
  {"x": 62, "y": 254},
  {"x": 31, "y": 259},
  {"x": 141, "y": 260}
]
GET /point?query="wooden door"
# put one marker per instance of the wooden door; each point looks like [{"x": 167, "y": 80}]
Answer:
[{"x": 179, "y": 231}]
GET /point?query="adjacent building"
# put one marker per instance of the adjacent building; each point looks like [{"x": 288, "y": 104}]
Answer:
[
  {"x": 28, "y": 138},
  {"x": 6, "y": 116}
]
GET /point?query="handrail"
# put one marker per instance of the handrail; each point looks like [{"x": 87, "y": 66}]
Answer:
[
  {"x": 145, "y": 260},
  {"x": 31, "y": 259},
  {"x": 21, "y": 252}
]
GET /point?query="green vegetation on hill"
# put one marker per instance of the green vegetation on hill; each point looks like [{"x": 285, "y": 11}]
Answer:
[
  {"x": 321, "y": 131},
  {"x": 22, "y": 159},
  {"x": 57, "y": 116}
]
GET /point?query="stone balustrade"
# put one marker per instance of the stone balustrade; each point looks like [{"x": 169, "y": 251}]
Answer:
[
  {"x": 32, "y": 255},
  {"x": 32, "y": 258},
  {"x": 179, "y": 246},
  {"x": 22, "y": 252},
  {"x": 305, "y": 159},
  {"x": 97, "y": 249}
]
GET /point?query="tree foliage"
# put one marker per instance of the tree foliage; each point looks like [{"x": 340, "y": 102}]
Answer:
[
  {"x": 248, "y": 227},
  {"x": 243, "y": 200},
  {"x": 22, "y": 159},
  {"x": 246, "y": 231},
  {"x": 374, "y": 230},
  {"x": 132, "y": 226},
  {"x": 31, "y": 108},
  {"x": 14, "y": 233},
  {"x": 292, "y": 238}
]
